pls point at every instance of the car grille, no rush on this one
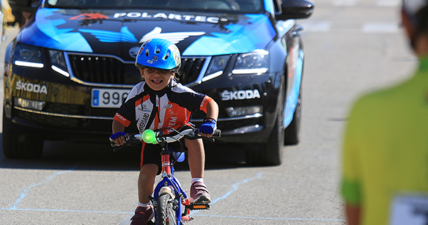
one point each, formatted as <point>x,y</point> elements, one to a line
<point>190,69</point>
<point>110,70</point>
<point>97,69</point>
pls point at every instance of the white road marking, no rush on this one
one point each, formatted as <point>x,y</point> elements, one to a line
<point>344,2</point>
<point>320,26</point>
<point>390,3</point>
<point>380,28</point>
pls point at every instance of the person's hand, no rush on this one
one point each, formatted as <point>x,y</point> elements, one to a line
<point>118,138</point>
<point>208,127</point>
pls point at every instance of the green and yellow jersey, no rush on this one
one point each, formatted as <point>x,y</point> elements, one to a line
<point>385,150</point>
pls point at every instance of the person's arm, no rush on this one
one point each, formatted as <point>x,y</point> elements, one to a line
<point>118,127</point>
<point>212,113</point>
<point>352,182</point>
<point>353,214</point>
<point>212,110</point>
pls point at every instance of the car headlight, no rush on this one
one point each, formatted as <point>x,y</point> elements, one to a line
<point>28,56</point>
<point>217,66</point>
<point>58,62</point>
<point>256,62</point>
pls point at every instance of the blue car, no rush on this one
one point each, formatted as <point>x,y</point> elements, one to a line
<point>72,65</point>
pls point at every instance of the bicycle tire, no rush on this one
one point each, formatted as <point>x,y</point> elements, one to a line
<point>165,214</point>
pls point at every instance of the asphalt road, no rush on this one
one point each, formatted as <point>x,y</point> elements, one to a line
<point>351,47</point>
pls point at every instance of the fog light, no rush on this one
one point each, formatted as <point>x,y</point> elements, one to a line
<point>29,104</point>
<point>242,111</point>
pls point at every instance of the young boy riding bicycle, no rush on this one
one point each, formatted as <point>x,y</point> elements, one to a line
<point>160,102</point>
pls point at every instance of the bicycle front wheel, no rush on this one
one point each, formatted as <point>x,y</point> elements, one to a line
<point>165,213</point>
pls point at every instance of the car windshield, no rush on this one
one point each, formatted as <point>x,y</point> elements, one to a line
<point>198,5</point>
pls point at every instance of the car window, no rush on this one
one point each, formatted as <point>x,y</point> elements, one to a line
<point>200,5</point>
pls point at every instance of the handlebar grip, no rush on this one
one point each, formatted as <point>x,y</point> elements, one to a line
<point>116,147</point>
<point>131,140</point>
<point>217,133</point>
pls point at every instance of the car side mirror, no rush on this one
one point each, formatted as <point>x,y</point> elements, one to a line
<point>295,9</point>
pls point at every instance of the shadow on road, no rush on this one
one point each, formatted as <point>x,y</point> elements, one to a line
<point>90,156</point>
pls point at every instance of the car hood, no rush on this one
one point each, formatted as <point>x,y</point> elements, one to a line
<point>121,32</point>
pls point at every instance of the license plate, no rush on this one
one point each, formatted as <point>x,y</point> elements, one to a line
<point>109,98</point>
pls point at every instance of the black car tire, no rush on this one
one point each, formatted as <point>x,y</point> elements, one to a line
<point>291,134</point>
<point>18,146</point>
<point>270,153</point>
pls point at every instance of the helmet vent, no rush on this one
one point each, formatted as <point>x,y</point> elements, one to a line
<point>157,50</point>
<point>147,52</point>
<point>166,56</point>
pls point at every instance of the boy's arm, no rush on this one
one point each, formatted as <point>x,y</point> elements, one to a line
<point>212,113</point>
<point>212,110</point>
<point>118,127</point>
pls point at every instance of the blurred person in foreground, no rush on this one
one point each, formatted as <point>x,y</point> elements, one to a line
<point>385,149</point>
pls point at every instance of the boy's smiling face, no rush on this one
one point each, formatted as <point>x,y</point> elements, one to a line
<point>156,79</point>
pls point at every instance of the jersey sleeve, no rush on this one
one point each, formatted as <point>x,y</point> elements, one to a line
<point>351,188</point>
<point>189,99</point>
<point>126,113</point>
<point>204,103</point>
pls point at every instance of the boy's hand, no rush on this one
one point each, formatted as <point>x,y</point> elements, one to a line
<point>208,127</point>
<point>118,138</point>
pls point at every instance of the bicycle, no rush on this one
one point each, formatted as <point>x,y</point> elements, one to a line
<point>168,196</point>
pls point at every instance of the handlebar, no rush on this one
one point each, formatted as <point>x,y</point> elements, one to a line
<point>157,137</point>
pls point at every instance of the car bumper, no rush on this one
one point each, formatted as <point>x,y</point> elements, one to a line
<point>68,113</point>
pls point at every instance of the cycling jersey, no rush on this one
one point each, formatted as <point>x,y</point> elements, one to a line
<point>385,150</point>
<point>170,107</point>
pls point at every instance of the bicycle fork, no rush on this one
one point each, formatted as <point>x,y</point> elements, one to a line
<point>169,184</point>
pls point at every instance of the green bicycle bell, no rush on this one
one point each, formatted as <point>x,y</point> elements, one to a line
<point>149,137</point>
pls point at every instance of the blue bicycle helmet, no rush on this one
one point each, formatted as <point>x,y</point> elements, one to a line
<point>158,53</point>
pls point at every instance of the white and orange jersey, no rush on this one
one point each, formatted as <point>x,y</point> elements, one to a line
<point>168,108</point>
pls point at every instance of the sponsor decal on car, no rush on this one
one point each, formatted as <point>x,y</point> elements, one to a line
<point>171,16</point>
<point>36,88</point>
<point>252,34</point>
<point>240,95</point>
<point>126,36</point>
<point>89,16</point>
